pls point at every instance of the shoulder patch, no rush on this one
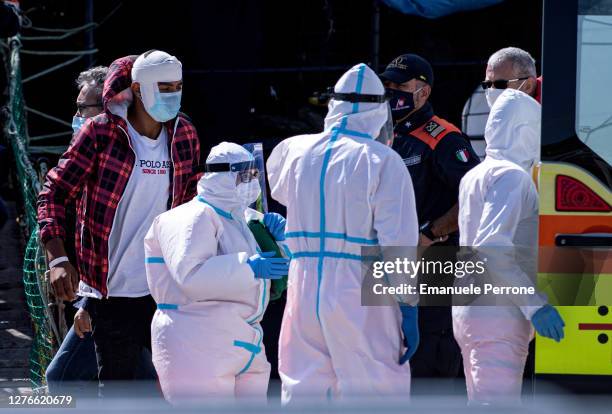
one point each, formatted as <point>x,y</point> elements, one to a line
<point>433,131</point>
<point>433,128</point>
<point>463,155</point>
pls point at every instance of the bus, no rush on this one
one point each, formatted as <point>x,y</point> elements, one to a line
<point>574,181</point>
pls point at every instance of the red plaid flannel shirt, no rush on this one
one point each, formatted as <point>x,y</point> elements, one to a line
<point>99,161</point>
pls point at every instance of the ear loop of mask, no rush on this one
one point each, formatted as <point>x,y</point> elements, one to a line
<point>519,88</point>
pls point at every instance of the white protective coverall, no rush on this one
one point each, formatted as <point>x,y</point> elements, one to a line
<point>498,206</point>
<point>342,190</point>
<point>206,336</point>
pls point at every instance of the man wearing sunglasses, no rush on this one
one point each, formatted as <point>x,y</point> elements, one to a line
<point>89,101</point>
<point>437,156</point>
<point>512,68</point>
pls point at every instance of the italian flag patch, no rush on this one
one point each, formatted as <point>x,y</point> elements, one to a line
<point>463,155</point>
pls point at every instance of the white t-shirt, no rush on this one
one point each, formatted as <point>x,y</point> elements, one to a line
<point>145,197</point>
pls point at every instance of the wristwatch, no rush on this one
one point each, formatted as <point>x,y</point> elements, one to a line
<point>425,229</point>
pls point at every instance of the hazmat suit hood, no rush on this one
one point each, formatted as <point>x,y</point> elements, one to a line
<point>219,188</point>
<point>367,118</point>
<point>513,129</point>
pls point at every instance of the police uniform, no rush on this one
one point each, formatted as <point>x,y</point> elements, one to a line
<point>437,156</point>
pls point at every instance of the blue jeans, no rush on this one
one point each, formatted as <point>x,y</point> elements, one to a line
<point>75,366</point>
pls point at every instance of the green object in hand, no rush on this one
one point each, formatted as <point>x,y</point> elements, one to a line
<point>266,243</point>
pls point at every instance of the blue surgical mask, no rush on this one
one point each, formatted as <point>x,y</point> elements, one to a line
<point>77,123</point>
<point>166,106</point>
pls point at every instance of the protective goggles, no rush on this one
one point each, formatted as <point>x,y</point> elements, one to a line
<point>500,83</point>
<point>356,97</point>
<point>246,170</point>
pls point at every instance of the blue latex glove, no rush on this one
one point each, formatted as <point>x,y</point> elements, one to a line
<point>265,266</point>
<point>410,329</point>
<point>547,322</point>
<point>275,223</point>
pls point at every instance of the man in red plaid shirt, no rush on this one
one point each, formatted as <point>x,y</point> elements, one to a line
<point>132,162</point>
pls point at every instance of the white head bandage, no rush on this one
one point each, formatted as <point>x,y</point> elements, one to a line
<point>151,68</point>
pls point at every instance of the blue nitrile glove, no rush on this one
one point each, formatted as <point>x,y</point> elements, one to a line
<point>410,329</point>
<point>275,223</point>
<point>547,322</point>
<point>266,266</point>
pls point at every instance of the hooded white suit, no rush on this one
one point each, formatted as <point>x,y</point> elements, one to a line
<point>206,337</point>
<point>498,207</point>
<point>342,190</point>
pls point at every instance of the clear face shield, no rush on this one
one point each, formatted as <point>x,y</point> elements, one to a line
<point>245,171</point>
<point>246,174</point>
<point>386,135</point>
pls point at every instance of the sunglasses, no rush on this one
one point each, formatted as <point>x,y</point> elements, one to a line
<point>82,107</point>
<point>500,83</point>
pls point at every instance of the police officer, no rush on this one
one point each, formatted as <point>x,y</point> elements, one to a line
<point>437,156</point>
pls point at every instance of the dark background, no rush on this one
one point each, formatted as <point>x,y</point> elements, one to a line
<point>250,66</point>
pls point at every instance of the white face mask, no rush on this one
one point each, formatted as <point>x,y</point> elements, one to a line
<point>492,94</point>
<point>249,192</point>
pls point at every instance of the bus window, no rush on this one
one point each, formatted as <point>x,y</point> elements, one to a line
<point>594,77</point>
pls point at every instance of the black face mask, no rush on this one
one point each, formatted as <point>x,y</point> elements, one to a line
<point>402,103</point>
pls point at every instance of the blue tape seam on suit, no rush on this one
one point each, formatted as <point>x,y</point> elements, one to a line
<point>329,235</point>
<point>327,156</point>
<point>217,209</point>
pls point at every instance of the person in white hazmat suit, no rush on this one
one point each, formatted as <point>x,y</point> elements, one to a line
<point>211,286</point>
<point>343,189</point>
<point>498,208</point>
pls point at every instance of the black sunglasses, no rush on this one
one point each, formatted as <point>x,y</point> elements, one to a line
<point>81,107</point>
<point>500,83</point>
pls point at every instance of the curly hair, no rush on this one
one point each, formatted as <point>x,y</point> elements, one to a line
<point>94,76</point>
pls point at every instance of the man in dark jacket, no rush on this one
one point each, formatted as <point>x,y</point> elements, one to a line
<point>437,156</point>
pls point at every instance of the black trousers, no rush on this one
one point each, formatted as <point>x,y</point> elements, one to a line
<point>438,354</point>
<point>121,328</point>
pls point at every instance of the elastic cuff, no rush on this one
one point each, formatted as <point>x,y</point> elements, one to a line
<point>529,311</point>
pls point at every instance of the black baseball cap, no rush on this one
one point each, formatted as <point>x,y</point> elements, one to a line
<point>407,67</point>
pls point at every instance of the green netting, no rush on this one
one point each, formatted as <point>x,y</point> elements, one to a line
<point>34,282</point>
<point>34,265</point>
